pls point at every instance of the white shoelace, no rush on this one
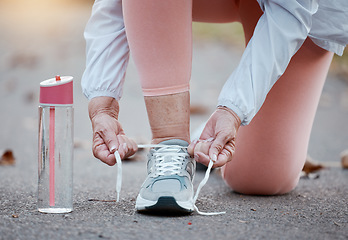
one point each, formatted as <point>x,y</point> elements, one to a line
<point>167,167</point>
<point>119,175</point>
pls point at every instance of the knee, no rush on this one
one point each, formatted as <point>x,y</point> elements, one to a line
<point>261,183</point>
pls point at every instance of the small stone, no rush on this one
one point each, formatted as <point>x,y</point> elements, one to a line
<point>344,159</point>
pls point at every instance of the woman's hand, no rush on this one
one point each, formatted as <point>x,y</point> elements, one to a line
<point>217,141</point>
<point>108,135</point>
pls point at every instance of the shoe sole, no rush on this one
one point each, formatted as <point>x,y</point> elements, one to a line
<point>164,205</point>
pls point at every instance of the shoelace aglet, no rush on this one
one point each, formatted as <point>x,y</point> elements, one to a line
<point>119,175</point>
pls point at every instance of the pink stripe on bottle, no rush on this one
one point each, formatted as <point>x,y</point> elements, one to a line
<point>51,156</point>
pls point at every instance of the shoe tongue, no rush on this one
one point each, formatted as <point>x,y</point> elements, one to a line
<point>175,142</point>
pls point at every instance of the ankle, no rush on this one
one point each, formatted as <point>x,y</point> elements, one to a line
<point>169,130</point>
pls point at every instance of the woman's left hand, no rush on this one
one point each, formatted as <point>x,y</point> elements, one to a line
<point>217,141</point>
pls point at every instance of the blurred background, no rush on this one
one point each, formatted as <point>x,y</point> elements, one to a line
<point>41,39</point>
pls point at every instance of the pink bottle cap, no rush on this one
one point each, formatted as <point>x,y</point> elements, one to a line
<point>57,91</point>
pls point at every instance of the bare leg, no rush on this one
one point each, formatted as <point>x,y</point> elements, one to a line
<point>159,35</point>
<point>271,151</point>
<point>217,11</point>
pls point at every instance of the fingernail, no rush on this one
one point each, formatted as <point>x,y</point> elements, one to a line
<point>113,149</point>
<point>124,145</point>
<point>214,157</point>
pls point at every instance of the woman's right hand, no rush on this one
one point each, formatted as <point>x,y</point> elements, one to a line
<point>108,135</point>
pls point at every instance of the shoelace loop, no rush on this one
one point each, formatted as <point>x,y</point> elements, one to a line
<point>163,168</point>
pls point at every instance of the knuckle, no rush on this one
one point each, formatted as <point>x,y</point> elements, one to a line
<point>227,136</point>
<point>95,148</point>
<point>102,131</point>
<point>227,156</point>
<point>95,153</point>
<point>219,147</point>
<point>99,132</point>
<point>226,153</point>
<point>108,142</point>
<point>229,151</point>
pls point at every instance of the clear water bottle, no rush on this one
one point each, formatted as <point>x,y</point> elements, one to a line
<point>56,126</point>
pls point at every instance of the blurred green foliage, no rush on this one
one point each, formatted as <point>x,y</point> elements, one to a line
<point>340,65</point>
<point>228,33</point>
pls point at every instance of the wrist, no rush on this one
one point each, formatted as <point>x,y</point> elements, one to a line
<point>103,105</point>
<point>234,115</point>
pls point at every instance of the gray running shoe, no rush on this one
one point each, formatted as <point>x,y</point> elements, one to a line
<point>168,186</point>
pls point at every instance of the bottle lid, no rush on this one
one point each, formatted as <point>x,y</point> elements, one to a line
<point>57,91</point>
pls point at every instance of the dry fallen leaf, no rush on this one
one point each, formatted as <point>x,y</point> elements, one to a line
<point>311,166</point>
<point>7,158</point>
<point>344,158</point>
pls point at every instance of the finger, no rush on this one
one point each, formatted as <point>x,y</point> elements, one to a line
<point>107,157</point>
<point>226,154</point>
<point>191,147</point>
<point>224,157</point>
<point>101,151</point>
<point>109,137</point>
<point>132,147</point>
<point>217,146</point>
<point>127,147</point>
<point>122,147</point>
<point>202,147</point>
<point>202,158</point>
